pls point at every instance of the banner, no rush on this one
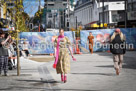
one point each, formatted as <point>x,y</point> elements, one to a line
<point>42,42</point>
<point>102,37</point>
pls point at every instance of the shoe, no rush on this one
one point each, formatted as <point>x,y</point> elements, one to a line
<point>62,78</point>
<point>65,79</point>
<point>5,74</point>
<point>117,71</point>
<point>14,67</point>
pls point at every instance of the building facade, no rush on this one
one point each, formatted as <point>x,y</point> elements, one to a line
<point>90,12</point>
<point>131,13</point>
<point>86,12</point>
<point>55,13</point>
<point>113,13</point>
<point>5,17</point>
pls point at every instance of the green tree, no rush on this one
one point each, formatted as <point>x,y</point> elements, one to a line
<point>37,16</point>
<point>17,14</point>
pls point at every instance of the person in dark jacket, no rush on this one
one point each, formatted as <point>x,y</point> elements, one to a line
<point>118,49</point>
<point>4,53</point>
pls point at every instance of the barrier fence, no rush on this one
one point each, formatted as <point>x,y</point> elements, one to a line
<point>42,42</point>
<point>102,37</point>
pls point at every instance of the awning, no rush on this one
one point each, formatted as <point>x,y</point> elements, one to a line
<point>94,25</point>
<point>101,25</point>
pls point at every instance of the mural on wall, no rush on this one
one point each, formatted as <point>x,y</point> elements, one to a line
<point>42,42</point>
<point>102,38</point>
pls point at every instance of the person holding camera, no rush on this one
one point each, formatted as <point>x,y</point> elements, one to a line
<point>4,53</point>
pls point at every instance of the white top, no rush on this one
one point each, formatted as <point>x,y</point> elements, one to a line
<point>25,46</point>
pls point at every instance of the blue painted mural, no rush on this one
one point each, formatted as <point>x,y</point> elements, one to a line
<point>42,42</point>
<point>102,37</point>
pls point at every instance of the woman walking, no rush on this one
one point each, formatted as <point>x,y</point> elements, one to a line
<point>118,49</point>
<point>62,58</point>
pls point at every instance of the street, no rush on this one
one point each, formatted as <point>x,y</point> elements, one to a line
<point>89,73</point>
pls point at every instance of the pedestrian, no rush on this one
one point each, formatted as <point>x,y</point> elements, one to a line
<point>4,52</point>
<point>118,49</point>
<point>62,58</point>
<point>25,48</point>
<point>11,53</point>
<point>90,40</point>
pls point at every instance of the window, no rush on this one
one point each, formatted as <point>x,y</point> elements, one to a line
<point>134,6</point>
<point>129,7</point>
<point>50,15</point>
<point>50,4</point>
<point>115,18</point>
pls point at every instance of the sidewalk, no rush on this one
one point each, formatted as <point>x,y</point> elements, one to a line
<point>89,73</point>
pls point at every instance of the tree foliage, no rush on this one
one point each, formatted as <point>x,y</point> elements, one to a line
<point>37,16</point>
<point>17,14</point>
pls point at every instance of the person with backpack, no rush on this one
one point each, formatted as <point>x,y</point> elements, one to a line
<point>118,49</point>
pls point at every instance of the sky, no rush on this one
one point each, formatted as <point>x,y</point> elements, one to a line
<point>31,6</point>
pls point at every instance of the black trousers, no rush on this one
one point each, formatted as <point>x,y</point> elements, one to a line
<point>4,64</point>
<point>26,52</point>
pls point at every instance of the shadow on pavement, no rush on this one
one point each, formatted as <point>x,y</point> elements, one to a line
<point>105,74</point>
<point>129,60</point>
<point>14,88</point>
<point>73,90</point>
<point>50,81</point>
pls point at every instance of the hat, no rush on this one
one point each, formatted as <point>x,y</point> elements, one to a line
<point>117,30</point>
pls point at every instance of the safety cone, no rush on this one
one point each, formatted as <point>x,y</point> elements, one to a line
<point>108,51</point>
<point>51,54</point>
<point>77,48</point>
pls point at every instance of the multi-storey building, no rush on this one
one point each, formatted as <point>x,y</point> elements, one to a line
<point>113,12</point>
<point>131,13</point>
<point>55,17</point>
<point>90,12</point>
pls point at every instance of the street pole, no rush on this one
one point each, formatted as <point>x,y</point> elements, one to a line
<point>40,15</point>
<point>125,13</point>
<point>103,13</point>
<point>76,26</point>
<point>68,15</point>
<point>17,42</point>
<point>99,20</point>
<point>54,19</point>
<point>64,18</point>
<point>45,8</point>
<point>18,60</point>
